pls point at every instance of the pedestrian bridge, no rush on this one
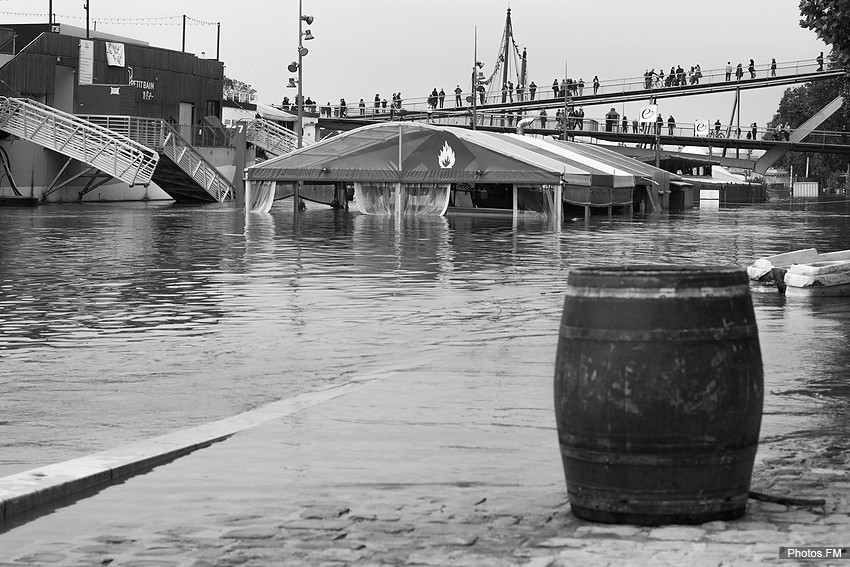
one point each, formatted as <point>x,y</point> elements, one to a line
<point>633,89</point>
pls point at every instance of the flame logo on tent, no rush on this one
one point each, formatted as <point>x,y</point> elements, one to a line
<point>446,157</point>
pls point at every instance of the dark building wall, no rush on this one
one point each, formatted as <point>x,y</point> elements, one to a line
<point>163,78</point>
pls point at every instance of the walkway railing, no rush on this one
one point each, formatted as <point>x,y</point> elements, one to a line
<point>271,137</point>
<point>626,85</point>
<point>111,152</point>
<point>192,162</point>
<point>592,124</point>
<point>161,136</point>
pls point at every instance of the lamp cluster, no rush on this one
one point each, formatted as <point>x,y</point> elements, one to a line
<point>297,66</point>
<point>302,51</point>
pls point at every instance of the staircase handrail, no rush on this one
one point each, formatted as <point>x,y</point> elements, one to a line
<point>80,139</point>
<point>176,147</point>
<point>271,136</point>
<point>161,136</point>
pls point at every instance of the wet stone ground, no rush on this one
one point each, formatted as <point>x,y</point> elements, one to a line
<point>410,526</point>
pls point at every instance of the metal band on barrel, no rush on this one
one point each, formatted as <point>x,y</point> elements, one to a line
<point>657,293</point>
<point>678,459</point>
<point>644,335</point>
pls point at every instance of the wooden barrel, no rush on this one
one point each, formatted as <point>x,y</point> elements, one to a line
<point>658,393</point>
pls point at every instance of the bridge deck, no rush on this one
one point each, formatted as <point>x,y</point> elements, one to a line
<point>501,117</point>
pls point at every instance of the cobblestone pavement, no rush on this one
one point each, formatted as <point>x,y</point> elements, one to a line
<point>383,476</point>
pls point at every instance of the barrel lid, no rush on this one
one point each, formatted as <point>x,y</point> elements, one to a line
<point>657,276</point>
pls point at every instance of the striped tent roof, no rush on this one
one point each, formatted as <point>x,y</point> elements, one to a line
<point>439,154</point>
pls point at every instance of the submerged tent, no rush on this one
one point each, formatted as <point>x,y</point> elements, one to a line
<point>655,180</point>
<point>603,171</point>
<point>397,164</point>
<point>427,153</point>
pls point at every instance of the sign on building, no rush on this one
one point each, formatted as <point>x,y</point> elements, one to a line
<point>85,73</point>
<point>114,54</point>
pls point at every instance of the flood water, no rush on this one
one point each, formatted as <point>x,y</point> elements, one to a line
<point>120,322</point>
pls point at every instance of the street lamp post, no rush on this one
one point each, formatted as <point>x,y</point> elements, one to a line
<point>303,35</point>
<point>302,51</point>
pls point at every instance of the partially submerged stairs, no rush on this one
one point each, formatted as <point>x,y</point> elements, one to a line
<point>185,174</point>
<point>108,151</point>
<point>271,137</point>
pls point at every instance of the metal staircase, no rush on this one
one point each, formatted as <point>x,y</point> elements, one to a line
<point>162,137</point>
<point>273,138</point>
<point>106,150</point>
<point>184,155</point>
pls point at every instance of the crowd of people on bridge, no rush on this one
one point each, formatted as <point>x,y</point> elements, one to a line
<point>566,88</point>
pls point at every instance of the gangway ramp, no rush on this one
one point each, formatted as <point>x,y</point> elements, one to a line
<point>186,174</point>
<point>193,163</point>
<point>110,152</point>
<point>271,137</point>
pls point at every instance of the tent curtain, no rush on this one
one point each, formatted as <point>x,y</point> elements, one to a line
<point>261,197</point>
<point>418,199</point>
<point>537,199</point>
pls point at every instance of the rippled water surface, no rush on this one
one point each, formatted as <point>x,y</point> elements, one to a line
<point>124,321</point>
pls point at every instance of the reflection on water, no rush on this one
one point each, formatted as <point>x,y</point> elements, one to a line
<point>124,321</point>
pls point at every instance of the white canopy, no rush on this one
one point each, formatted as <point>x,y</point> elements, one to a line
<point>273,113</point>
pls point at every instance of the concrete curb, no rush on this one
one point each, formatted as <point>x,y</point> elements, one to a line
<point>27,491</point>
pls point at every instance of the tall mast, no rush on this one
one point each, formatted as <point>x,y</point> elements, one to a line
<point>505,51</point>
<point>523,73</point>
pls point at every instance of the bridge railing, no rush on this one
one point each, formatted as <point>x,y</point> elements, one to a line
<point>631,126</point>
<point>714,76</point>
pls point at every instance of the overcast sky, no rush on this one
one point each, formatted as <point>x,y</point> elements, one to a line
<point>364,47</point>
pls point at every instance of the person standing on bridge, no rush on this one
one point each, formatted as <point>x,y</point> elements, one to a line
<point>532,88</point>
<point>625,125</point>
<point>728,71</point>
<point>555,88</point>
<point>752,69</point>
<point>773,67</point>
<point>671,123</point>
<point>377,102</point>
<point>739,72</point>
<point>543,118</point>
<point>819,59</point>
<point>458,92</point>
<point>595,84</point>
<point>581,87</point>
<point>754,128</point>
<point>442,95</point>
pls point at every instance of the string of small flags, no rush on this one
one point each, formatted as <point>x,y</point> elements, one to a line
<point>158,21</point>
